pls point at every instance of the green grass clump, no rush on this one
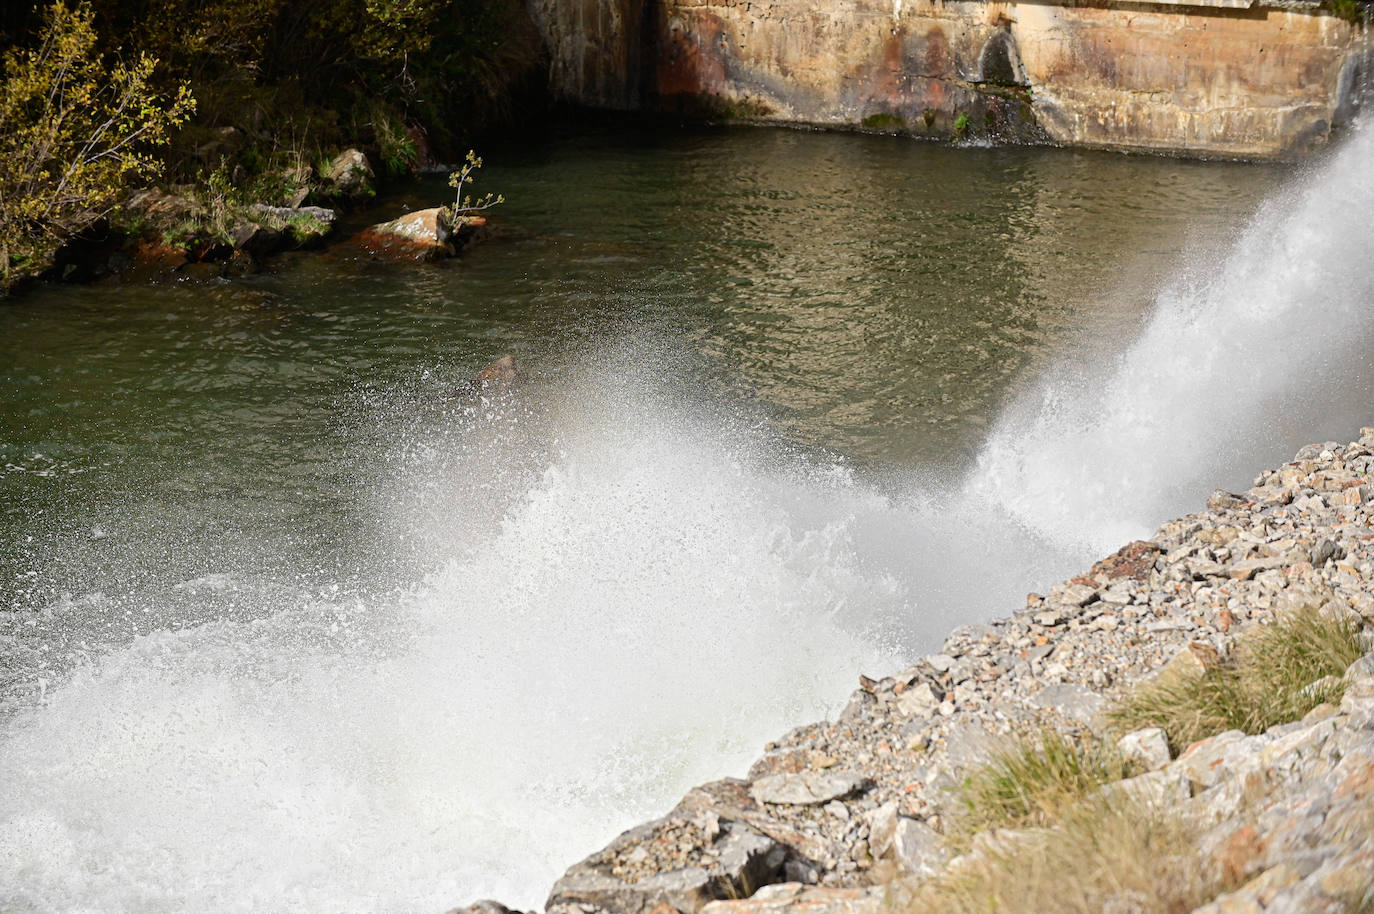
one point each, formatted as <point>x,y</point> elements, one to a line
<point>304,228</point>
<point>1278,675</point>
<point>1037,780</point>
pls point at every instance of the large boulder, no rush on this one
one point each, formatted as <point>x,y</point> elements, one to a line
<point>422,235</point>
<point>350,174</point>
<point>302,226</point>
<point>158,211</point>
<point>678,862</point>
<point>426,234</point>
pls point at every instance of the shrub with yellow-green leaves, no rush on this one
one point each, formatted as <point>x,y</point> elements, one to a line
<point>75,131</point>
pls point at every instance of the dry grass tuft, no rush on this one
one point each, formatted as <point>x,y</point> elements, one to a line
<point>1040,833</point>
<point>1279,674</point>
<point>1101,856</point>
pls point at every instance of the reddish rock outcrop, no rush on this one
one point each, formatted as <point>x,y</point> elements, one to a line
<point>425,234</point>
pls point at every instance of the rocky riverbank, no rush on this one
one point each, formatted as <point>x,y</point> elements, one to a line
<point>186,233</point>
<point>848,815</point>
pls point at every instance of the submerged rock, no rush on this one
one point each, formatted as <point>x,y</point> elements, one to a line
<point>499,378</point>
<point>502,371</point>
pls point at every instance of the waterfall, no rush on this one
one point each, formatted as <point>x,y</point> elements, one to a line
<point>1244,359</point>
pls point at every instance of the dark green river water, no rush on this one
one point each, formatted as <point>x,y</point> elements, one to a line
<point>875,298</point>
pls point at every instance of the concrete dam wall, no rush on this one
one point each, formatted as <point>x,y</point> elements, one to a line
<point>1233,78</point>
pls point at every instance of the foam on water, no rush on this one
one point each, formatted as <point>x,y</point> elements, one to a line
<point>628,592</point>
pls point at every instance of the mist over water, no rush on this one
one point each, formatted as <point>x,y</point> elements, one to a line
<point>1247,356</point>
<point>652,599</point>
<point>560,608</point>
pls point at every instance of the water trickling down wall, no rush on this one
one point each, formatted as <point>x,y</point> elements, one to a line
<point>1243,78</point>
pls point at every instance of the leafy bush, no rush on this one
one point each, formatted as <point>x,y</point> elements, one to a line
<point>467,206</point>
<point>1352,11</point>
<point>356,72</point>
<point>75,131</point>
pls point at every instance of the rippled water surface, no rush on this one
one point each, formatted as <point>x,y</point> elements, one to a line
<point>286,613</point>
<point>873,298</point>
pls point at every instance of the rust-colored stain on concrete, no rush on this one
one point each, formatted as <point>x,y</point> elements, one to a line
<point>1255,83</point>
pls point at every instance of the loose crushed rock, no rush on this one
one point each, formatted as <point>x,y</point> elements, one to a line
<point>835,813</point>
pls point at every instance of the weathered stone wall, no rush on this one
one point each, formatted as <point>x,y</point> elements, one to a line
<point>596,49</point>
<point>1227,79</point>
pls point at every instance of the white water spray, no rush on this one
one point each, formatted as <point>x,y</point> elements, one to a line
<point>1243,361</point>
<point>635,620</point>
<point>627,598</point>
